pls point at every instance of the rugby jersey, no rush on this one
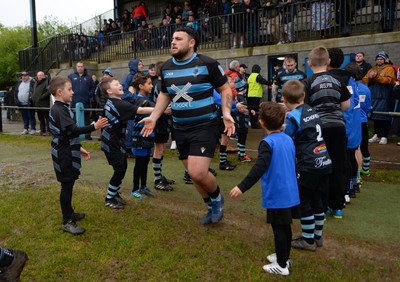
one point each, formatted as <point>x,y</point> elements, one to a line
<point>190,85</point>
<point>324,93</point>
<point>304,126</point>
<point>118,112</point>
<point>65,145</point>
<point>284,76</point>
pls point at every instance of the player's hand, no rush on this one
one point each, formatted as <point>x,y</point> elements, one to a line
<point>101,122</point>
<point>149,125</point>
<point>253,112</point>
<point>229,125</point>
<point>235,192</point>
<point>85,154</point>
<point>242,108</point>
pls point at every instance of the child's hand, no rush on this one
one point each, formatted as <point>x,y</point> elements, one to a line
<point>168,110</point>
<point>85,154</point>
<point>101,123</point>
<point>253,112</point>
<point>235,192</point>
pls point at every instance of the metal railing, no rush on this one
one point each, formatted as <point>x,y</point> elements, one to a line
<point>302,21</point>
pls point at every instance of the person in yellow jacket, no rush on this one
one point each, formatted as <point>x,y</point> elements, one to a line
<point>255,93</point>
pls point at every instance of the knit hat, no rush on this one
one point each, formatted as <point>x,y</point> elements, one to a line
<point>381,54</point>
<point>108,71</point>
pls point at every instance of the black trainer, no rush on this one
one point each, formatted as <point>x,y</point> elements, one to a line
<point>226,166</point>
<point>167,181</point>
<point>119,199</point>
<point>114,204</point>
<point>187,178</point>
<point>73,228</point>
<point>162,186</point>
<point>12,272</point>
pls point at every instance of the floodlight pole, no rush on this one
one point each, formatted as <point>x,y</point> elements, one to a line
<point>33,24</point>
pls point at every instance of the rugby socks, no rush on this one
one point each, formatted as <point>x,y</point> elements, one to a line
<point>6,257</point>
<point>365,165</point>
<point>223,157</point>
<point>157,163</point>
<point>319,225</point>
<point>207,201</point>
<point>216,195</point>
<point>308,228</point>
<point>241,149</point>
<point>112,191</point>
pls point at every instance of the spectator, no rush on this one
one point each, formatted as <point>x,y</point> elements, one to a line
<point>83,87</point>
<point>273,28</point>
<point>140,14</point>
<point>237,25</point>
<point>100,39</point>
<point>243,72</point>
<point>176,12</point>
<point>185,10</point>
<point>388,10</point>
<point>287,15</point>
<point>41,98</point>
<point>343,13</point>
<point>226,6</point>
<point>360,61</point>
<point>193,24</point>
<point>255,93</point>
<point>321,17</point>
<point>380,80</point>
<point>23,98</point>
<point>251,8</point>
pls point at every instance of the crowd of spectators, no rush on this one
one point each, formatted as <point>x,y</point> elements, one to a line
<point>249,22</point>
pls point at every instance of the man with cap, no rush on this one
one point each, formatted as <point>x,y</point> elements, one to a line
<point>243,72</point>
<point>380,80</point>
<point>23,97</point>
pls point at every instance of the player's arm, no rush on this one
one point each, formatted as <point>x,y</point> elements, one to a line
<point>274,92</point>
<point>163,101</point>
<point>226,102</point>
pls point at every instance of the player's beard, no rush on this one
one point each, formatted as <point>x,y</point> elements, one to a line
<point>180,54</point>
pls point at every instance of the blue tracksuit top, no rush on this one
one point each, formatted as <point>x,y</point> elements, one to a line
<point>352,117</point>
<point>279,182</point>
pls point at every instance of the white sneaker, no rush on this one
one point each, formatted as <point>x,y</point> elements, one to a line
<point>173,145</point>
<point>374,139</point>
<point>24,132</point>
<point>276,269</point>
<point>347,199</point>
<point>272,258</point>
<point>383,141</point>
<point>32,132</point>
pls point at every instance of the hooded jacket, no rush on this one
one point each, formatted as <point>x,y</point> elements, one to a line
<point>128,80</point>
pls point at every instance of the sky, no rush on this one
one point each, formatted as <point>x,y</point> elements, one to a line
<point>17,12</point>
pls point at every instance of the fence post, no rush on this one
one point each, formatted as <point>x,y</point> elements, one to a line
<point>80,117</point>
<point>1,118</point>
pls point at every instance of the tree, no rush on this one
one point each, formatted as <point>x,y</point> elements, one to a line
<point>15,39</point>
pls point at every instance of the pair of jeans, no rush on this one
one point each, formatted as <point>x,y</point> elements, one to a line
<point>28,116</point>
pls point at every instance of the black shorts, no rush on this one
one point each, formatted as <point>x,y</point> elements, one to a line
<point>161,132</point>
<point>283,216</point>
<point>197,141</point>
<point>116,158</point>
<point>313,181</point>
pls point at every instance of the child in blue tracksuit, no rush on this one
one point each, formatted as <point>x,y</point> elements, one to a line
<point>364,95</point>
<point>352,117</point>
<point>141,145</point>
<point>276,166</point>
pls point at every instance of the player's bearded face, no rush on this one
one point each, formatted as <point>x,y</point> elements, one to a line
<point>180,50</point>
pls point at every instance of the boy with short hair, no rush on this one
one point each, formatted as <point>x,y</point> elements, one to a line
<point>118,112</point>
<point>313,164</point>
<point>328,96</point>
<point>66,148</point>
<point>275,166</point>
